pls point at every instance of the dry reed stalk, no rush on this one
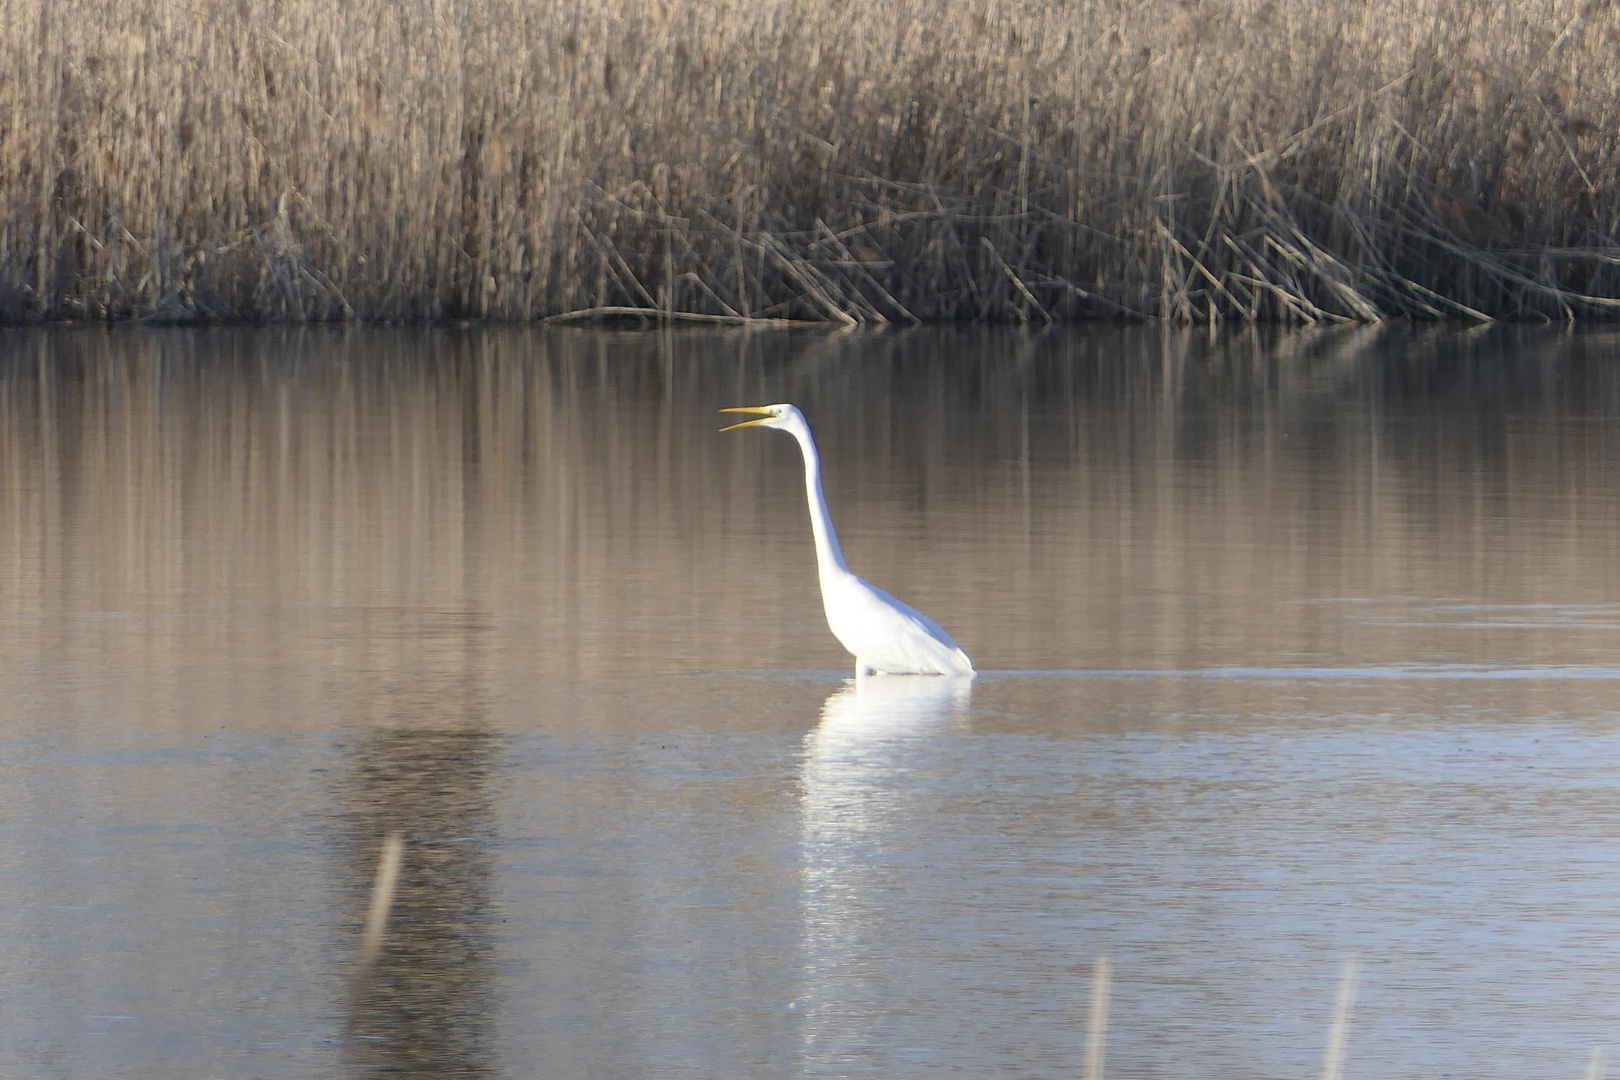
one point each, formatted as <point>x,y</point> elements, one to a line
<point>371,938</point>
<point>1097,1032</point>
<point>1339,1033</point>
<point>1194,160</point>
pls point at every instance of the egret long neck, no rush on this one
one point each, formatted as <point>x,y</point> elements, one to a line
<point>828,555</point>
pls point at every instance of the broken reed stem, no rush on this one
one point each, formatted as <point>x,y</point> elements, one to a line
<point>1339,1031</point>
<point>382,900</point>
<point>1097,1033</point>
<point>659,315</point>
<point>1598,1066</point>
<point>809,160</point>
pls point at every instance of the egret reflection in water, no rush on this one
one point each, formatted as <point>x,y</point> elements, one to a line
<point>874,713</point>
<point>861,800</point>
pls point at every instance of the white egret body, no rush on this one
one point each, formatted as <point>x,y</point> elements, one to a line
<point>885,636</point>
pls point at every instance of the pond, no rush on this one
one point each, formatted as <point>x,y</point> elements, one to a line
<point>1291,648</point>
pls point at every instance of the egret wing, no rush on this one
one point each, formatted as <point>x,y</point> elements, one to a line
<point>889,635</point>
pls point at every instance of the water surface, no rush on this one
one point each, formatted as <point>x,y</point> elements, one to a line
<point>1291,646</point>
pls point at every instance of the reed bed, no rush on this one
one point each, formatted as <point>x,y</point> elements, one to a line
<point>819,160</point>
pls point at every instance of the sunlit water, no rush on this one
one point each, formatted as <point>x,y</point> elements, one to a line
<point>1289,648</point>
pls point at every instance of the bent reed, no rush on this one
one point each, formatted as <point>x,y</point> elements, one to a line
<point>820,160</point>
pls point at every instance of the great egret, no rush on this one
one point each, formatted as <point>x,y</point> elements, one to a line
<point>885,636</point>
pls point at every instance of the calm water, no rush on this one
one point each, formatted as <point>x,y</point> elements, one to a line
<point>1290,648</point>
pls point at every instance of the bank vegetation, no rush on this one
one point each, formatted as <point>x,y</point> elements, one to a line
<point>818,160</point>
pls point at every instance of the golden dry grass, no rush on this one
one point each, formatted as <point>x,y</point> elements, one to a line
<point>810,159</point>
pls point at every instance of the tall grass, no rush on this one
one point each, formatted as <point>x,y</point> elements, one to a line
<point>809,159</point>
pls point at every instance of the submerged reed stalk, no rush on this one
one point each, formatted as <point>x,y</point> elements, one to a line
<point>857,164</point>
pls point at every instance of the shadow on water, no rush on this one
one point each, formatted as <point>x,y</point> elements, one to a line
<point>428,1006</point>
<point>423,766</point>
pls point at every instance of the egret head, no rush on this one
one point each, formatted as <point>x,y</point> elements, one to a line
<point>771,416</point>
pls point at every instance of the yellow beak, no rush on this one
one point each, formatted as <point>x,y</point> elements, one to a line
<point>766,415</point>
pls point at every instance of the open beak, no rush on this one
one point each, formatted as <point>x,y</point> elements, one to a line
<point>765,414</point>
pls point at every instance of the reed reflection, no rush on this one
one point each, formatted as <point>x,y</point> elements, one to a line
<point>1114,499</point>
<point>860,796</point>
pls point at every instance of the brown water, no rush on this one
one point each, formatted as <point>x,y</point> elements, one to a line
<point>1289,647</point>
